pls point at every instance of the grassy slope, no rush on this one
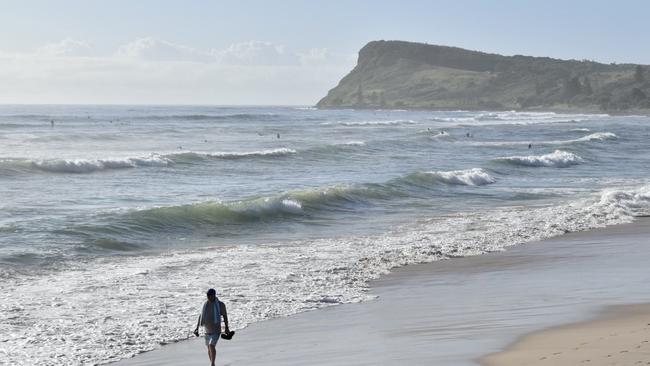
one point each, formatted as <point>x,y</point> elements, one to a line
<point>413,75</point>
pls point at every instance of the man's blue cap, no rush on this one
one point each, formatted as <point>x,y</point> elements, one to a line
<point>212,292</point>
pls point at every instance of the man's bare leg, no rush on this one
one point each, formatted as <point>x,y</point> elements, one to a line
<point>212,352</point>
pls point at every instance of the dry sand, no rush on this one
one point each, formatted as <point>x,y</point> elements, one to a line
<point>620,336</point>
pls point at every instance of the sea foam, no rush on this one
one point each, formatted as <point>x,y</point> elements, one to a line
<point>557,159</point>
<point>160,294</point>
<point>228,155</point>
<point>593,137</point>
<point>468,177</point>
<point>372,123</point>
<point>92,165</point>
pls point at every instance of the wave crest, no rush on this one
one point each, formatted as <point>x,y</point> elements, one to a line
<point>598,136</point>
<point>194,156</point>
<point>80,166</point>
<point>372,123</point>
<point>556,159</point>
<point>469,177</point>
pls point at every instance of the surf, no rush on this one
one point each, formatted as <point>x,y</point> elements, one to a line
<point>556,159</point>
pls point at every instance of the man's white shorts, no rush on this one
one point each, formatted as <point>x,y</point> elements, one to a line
<point>211,339</point>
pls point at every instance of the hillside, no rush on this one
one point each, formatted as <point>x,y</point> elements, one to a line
<point>397,74</point>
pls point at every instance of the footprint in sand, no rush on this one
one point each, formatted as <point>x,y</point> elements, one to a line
<point>624,351</point>
<point>542,358</point>
<point>583,361</point>
<point>557,353</point>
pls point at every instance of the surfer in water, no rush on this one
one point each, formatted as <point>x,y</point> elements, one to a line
<point>210,318</point>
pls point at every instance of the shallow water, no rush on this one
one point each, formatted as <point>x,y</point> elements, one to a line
<point>120,217</point>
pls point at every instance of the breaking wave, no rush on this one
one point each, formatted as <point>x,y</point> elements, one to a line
<point>557,159</point>
<point>598,136</point>
<point>517,118</point>
<point>80,166</point>
<point>194,156</point>
<point>213,117</point>
<point>594,137</point>
<point>291,205</point>
<point>316,273</point>
<point>469,177</point>
<point>372,123</point>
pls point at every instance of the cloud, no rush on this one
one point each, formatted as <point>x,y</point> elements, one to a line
<point>66,48</point>
<point>152,71</point>
<point>256,53</point>
<point>152,49</point>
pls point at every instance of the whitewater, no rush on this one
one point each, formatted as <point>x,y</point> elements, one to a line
<point>117,218</point>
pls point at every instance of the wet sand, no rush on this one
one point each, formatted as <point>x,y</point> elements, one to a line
<point>451,312</point>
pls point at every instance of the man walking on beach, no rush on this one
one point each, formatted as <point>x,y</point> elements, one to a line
<point>210,319</point>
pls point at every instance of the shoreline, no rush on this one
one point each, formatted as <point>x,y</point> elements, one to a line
<point>619,334</point>
<point>558,110</point>
<point>452,312</point>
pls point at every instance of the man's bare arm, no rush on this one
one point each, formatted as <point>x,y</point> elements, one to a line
<point>224,314</point>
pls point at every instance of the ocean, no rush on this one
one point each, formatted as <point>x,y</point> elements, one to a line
<point>115,220</point>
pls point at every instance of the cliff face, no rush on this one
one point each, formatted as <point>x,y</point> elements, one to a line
<point>397,74</point>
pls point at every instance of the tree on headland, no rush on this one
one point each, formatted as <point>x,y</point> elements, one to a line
<point>359,95</point>
<point>639,77</point>
<point>373,97</point>
<point>539,88</point>
<point>638,95</point>
<point>572,87</point>
<point>586,86</point>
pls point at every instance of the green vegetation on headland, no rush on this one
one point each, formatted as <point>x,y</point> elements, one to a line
<point>397,74</point>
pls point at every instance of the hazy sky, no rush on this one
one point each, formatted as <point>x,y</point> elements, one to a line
<point>275,52</point>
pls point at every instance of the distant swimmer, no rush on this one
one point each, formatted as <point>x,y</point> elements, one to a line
<point>180,148</point>
<point>468,135</point>
<point>52,123</point>
<point>278,135</point>
<point>205,140</point>
<point>530,146</point>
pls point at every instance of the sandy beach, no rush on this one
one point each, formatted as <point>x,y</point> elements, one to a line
<point>619,336</point>
<point>454,312</point>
